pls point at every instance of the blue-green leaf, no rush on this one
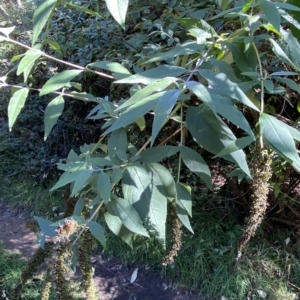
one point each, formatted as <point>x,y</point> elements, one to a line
<point>104,186</point>
<point>184,196</point>
<point>157,154</point>
<point>135,111</point>
<point>196,164</point>
<point>222,85</point>
<point>202,93</point>
<point>271,13</point>
<point>16,103</point>
<point>116,226</point>
<point>97,232</point>
<point>183,215</point>
<point>128,215</point>
<point>52,112</point>
<point>280,139</point>
<point>80,181</point>
<point>45,227</point>
<point>58,81</point>
<point>153,74</point>
<point>162,109</point>
<point>41,16</point>
<point>212,134</point>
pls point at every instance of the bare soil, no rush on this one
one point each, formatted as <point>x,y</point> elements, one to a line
<point>112,277</point>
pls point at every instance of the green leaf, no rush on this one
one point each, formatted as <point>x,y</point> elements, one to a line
<point>157,86</point>
<point>45,227</point>
<point>183,216</point>
<point>186,48</point>
<point>82,8</point>
<point>118,9</point>
<point>235,146</point>
<point>167,186</point>
<point>184,196</point>
<point>104,186</point>
<point>116,176</point>
<point>281,54</point>
<point>222,85</point>
<point>79,206</point>
<point>80,181</point>
<point>153,74</point>
<point>117,142</point>
<point>144,189</point>
<point>162,109</point>
<point>291,48</point>
<point>280,139</point>
<point>41,16</point>
<point>97,232</point>
<point>52,112</point>
<point>271,13</point>
<point>196,164</point>
<point>27,62</point>
<point>15,105</point>
<point>58,81</point>
<point>156,154</point>
<point>128,215</point>
<point>135,111</point>
<point>212,134</point>
<point>110,66</point>
<point>116,226</point>
<point>225,108</point>
<point>65,179</point>
<point>202,93</point>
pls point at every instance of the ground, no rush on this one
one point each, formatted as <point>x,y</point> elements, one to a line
<point>112,278</point>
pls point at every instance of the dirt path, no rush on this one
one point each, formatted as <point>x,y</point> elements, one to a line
<point>112,278</point>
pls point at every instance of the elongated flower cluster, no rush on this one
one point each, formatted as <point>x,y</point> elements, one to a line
<point>262,172</point>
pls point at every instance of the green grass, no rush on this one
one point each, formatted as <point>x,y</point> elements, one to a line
<point>207,259</point>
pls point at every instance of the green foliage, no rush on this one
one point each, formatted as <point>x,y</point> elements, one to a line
<point>214,79</point>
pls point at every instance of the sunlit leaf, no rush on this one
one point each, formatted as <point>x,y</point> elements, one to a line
<point>41,16</point>
<point>58,81</point>
<point>52,112</point>
<point>118,9</point>
<point>16,103</point>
